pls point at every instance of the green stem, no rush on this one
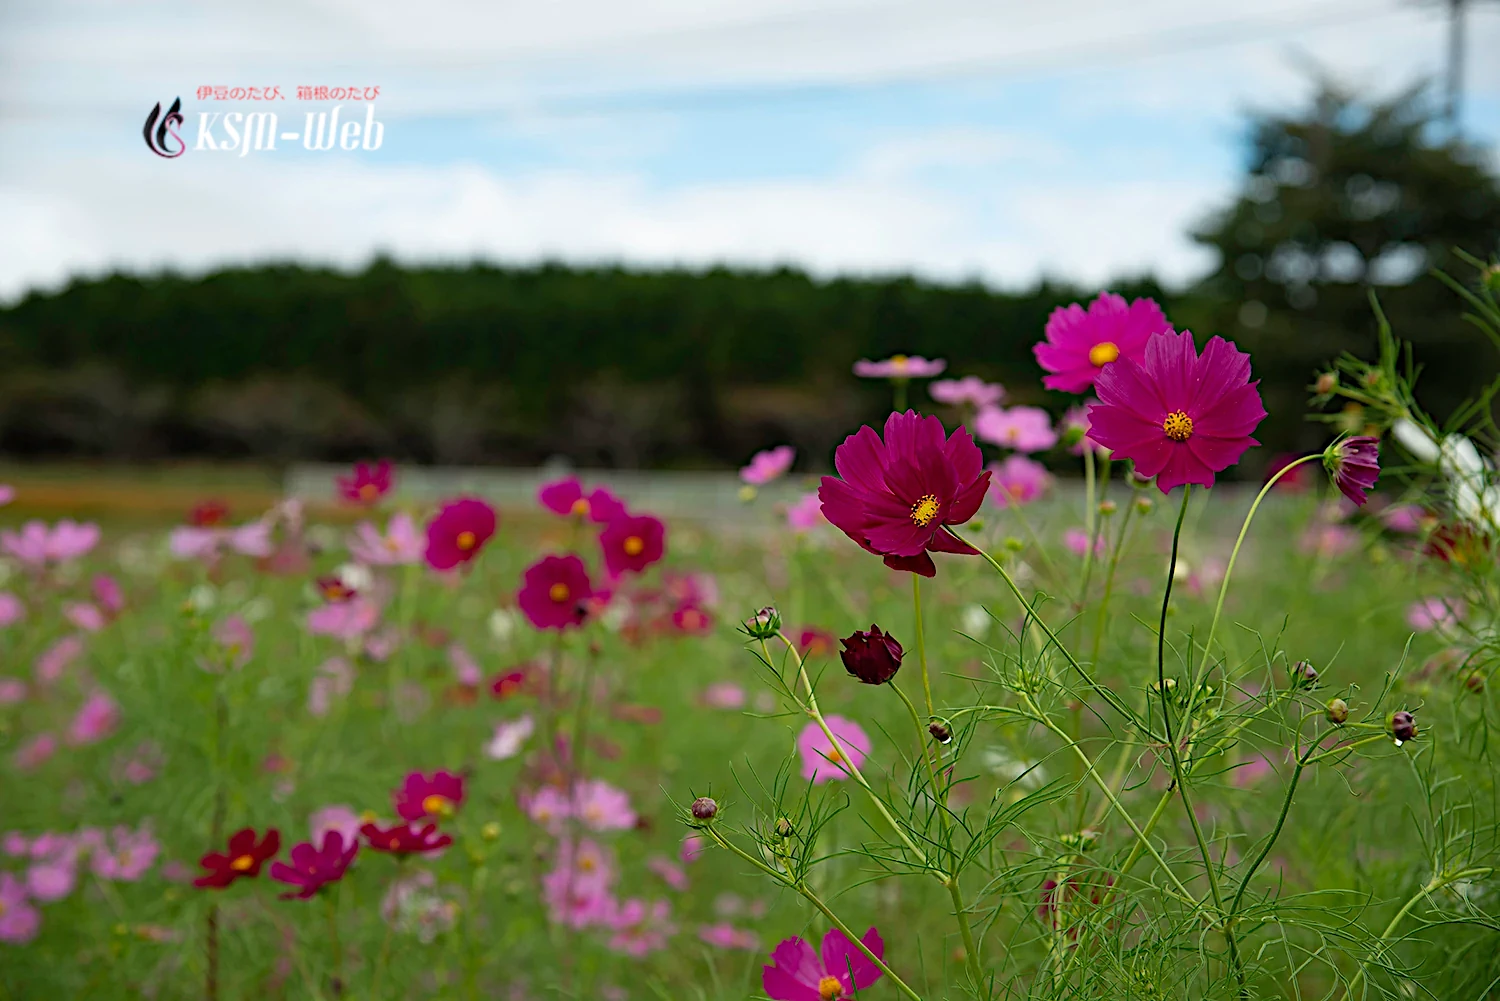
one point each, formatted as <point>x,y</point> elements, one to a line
<point>898,395</point>
<point>1286,807</point>
<point>916,604</point>
<point>333,943</point>
<point>1437,882</point>
<point>1177,776</point>
<point>1109,583</point>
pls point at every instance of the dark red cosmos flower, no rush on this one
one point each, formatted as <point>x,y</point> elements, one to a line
<point>458,532</point>
<point>692,620</point>
<point>208,513</point>
<point>899,493</point>
<point>334,590</point>
<point>633,542</point>
<point>567,497</point>
<point>555,591</point>
<point>815,642</point>
<point>873,657</point>
<point>508,683</point>
<point>314,868</point>
<point>1354,464</point>
<point>405,839</point>
<point>1455,542</point>
<point>367,483</point>
<point>245,857</point>
<point>438,795</point>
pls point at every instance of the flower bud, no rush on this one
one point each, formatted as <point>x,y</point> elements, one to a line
<point>784,828</point>
<point>1304,675</point>
<point>1474,682</point>
<point>873,657</point>
<point>940,732</point>
<point>1014,544</point>
<point>1108,507</point>
<point>1489,278</point>
<point>490,831</point>
<point>764,624</point>
<point>976,524</point>
<point>1403,727</point>
<point>747,494</point>
<point>1143,505</point>
<point>1337,711</point>
<point>1327,383</point>
<point>704,808</point>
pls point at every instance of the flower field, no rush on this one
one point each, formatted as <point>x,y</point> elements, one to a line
<point>949,729</point>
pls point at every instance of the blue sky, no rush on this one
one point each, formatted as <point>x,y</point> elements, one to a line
<point>956,139</point>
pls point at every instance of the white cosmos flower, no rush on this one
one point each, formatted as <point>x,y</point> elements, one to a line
<point>1415,439</point>
<point>509,737</point>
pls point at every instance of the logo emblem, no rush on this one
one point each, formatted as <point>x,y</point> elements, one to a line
<point>159,133</point>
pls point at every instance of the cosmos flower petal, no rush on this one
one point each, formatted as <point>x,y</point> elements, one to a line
<point>920,564</point>
<point>966,504</point>
<point>1235,415</point>
<point>782,986</point>
<point>861,460</point>
<point>1220,369</point>
<point>1183,467</point>
<point>841,957</point>
<point>1218,454</point>
<point>796,958</point>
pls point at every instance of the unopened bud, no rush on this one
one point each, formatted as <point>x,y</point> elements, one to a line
<point>764,624</point>
<point>704,808</point>
<point>1474,682</point>
<point>1108,507</point>
<point>1403,726</point>
<point>1327,383</point>
<point>1489,278</point>
<point>1143,505</point>
<point>1014,544</point>
<point>784,829</point>
<point>747,493</point>
<point>940,732</point>
<point>1304,675</point>
<point>1337,711</point>
<point>976,524</point>
<point>490,831</point>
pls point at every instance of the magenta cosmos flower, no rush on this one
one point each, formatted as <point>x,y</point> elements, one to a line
<point>899,367</point>
<point>568,498</point>
<point>1018,480</point>
<point>770,464</point>
<point>1025,429</point>
<point>458,532</point>
<point>632,543</point>
<point>1179,416</point>
<point>366,483</point>
<point>798,973</point>
<point>821,761</point>
<point>437,795</point>
<point>898,494</point>
<point>1354,464</point>
<point>555,591</point>
<point>314,868</point>
<point>970,391</point>
<point>1080,345</point>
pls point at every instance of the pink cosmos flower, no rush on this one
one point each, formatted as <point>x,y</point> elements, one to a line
<point>1025,429</point>
<point>345,620</point>
<point>970,391</point>
<point>898,494</point>
<point>15,844</point>
<point>19,921</point>
<point>139,765</point>
<point>366,483</point>
<point>12,690</point>
<point>437,795</point>
<point>602,807</point>
<point>54,660</point>
<point>805,513</point>
<point>53,879</point>
<point>34,752</point>
<point>334,679</point>
<point>577,888</point>
<point>1074,429</point>
<point>84,615</point>
<point>820,760</point>
<point>899,367</point>
<point>127,856</point>
<point>549,806</point>
<point>726,936</point>
<point>770,464</point>
<point>401,544</point>
<point>555,592</point>
<point>235,640</point>
<point>641,928</point>
<point>724,695</point>
<point>7,494</point>
<point>1080,344</point>
<point>510,736</point>
<point>1328,540</point>
<point>567,497</point>
<point>798,973</point>
<point>693,847</point>
<point>1440,614</point>
<point>11,609</point>
<point>1405,518</point>
<point>698,589</point>
<point>1179,416</point>
<point>314,868</point>
<point>1077,541</point>
<point>670,872</point>
<point>108,595</point>
<point>95,720</point>
<point>1018,480</point>
<point>36,545</point>
<point>335,817</point>
<point>632,543</point>
<point>458,532</point>
<point>465,668</point>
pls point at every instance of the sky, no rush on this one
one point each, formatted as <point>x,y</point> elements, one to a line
<point>959,140</point>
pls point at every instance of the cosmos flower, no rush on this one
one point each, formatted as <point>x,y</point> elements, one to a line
<point>458,532</point>
<point>798,973</point>
<point>602,807</point>
<point>632,543</point>
<point>549,806</point>
<point>510,736</point>
<point>692,620</point>
<point>1440,614</point>
<point>1018,480</point>
<point>897,494</point>
<point>899,367</point>
<point>1025,429</point>
<point>814,642</point>
<point>401,544</point>
<point>805,513</point>
<point>366,483</point>
<point>871,656</point>
<point>508,683</point>
<point>1077,542</point>
<point>19,921</point>
<point>970,391</point>
<point>641,928</point>
<point>1179,416</point>
<point>95,719</point>
<point>567,497</point>
<point>770,464</point>
<point>437,795</point>
<point>313,868</point>
<point>726,936</point>
<point>1354,464</point>
<point>555,592</point>
<point>820,761</point>
<point>11,609</point>
<point>126,855</point>
<point>334,817</point>
<point>245,857</point>
<point>1079,345</point>
<point>37,544</point>
<point>405,839</point>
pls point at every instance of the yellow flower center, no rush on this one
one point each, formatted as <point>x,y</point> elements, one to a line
<point>465,540</point>
<point>924,510</point>
<point>558,592</point>
<point>580,507</point>
<point>586,863</point>
<point>1178,426</point>
<point>833,756</point>
<point>899,361</point>
<point>1103,353</point>
<point>438,806</point>
<point>243,863</point>
<point>830,988</point>
<point>634,545</point>
<point>369,492</point>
